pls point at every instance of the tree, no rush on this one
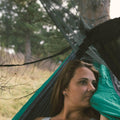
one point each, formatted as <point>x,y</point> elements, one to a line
<point>6,21</point>
<point>29,28</point>
<point>94,11</point>
<point>28,22</point>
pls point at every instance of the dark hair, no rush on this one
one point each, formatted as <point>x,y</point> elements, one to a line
<point>57,98</point>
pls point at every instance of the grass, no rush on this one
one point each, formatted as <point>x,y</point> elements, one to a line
<point>14,84</point>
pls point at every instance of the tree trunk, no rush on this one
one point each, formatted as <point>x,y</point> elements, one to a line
<point>94,11</point>
<point>27,49</point>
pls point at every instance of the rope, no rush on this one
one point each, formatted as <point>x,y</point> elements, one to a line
<point>27,63</point>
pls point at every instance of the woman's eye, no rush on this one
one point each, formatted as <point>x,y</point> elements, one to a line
<point>84,82</point>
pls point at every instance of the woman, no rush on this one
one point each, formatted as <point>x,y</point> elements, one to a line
<point>72,92</point>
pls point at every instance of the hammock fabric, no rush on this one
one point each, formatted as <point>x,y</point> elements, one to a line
<point>69,24</point>
<point>106,96</point>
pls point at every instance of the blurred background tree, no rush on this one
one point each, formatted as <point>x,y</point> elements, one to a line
<point>26,26</point>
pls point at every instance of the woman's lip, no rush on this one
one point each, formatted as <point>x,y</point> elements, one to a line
<point>89,96</point>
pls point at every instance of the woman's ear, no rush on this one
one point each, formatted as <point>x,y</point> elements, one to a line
<point>65,91</point>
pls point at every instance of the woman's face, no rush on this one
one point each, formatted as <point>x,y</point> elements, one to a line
<point>80,88</point>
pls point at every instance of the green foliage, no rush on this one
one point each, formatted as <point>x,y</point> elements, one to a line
<point>22,18</point>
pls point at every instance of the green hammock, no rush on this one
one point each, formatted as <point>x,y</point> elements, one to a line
<point>106,100</point>
<point>38,104</point>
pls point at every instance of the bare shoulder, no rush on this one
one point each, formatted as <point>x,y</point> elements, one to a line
<point>103,118</point>
<point>39,118</point>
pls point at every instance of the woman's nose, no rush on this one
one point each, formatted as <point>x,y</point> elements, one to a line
<point>91,87</point>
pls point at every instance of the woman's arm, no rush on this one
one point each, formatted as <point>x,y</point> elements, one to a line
<point>103,118</point>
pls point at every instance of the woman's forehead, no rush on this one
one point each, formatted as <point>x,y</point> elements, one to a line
<point>83,72</point>
<point>82,69</point>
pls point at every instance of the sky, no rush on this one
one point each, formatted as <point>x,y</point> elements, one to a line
<point>115,8</point>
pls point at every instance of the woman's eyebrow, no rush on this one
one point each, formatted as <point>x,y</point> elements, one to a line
<point>83,78</point>
<point>87,79</point>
